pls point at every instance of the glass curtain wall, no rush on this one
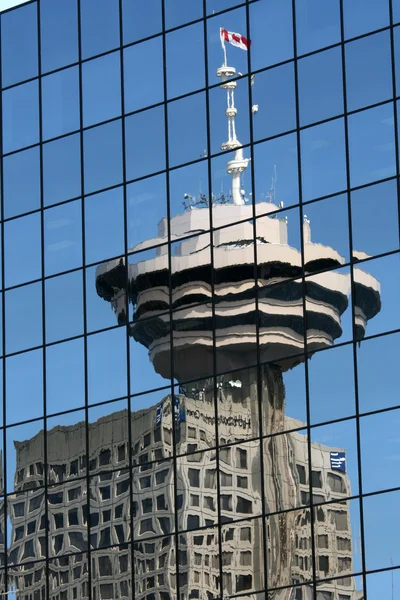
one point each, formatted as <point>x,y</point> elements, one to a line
<point>200,300</point>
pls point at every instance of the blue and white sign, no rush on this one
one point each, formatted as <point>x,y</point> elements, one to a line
<point>338,461</point>
<point>179,410</point>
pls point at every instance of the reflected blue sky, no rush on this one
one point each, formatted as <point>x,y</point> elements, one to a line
<point>374,209</point>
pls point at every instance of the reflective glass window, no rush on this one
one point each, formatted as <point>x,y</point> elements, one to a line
<point>60,103</point>
<point>19,44</point>
<point>20,116</point>
<point>59,33</point>
<point>99,26</point>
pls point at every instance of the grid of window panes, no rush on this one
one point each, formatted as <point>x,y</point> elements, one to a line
<point>199,396</point>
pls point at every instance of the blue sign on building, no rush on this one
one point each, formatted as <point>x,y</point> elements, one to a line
<point>338,461</point>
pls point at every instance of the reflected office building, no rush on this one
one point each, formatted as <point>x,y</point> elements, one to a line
<point>193,495</point>
<point>214,492</point>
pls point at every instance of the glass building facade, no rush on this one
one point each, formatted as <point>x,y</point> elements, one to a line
<point>200,300</point>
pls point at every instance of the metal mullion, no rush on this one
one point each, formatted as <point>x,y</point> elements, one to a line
<point>43,288</point>
<point>304,286</point>
<point>3,338</point>
<point>85,333</point>
<point>212,285</point>
<point>257,307</point>
<point>127,285</point>
<point>353,298</point>
<point>170,298</point>
<point>395,111</point>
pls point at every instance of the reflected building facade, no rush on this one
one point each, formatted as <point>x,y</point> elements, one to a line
<point>153,508</point>
<point>165,434</point>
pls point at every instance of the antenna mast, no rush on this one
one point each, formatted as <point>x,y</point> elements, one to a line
<point>238,164</point>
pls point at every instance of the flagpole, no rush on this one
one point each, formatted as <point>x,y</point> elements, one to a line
<point>223,45</point>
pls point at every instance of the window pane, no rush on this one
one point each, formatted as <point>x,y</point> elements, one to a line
<point>60,103</point>
<point>148,156</point>
<point>139,59</point>
<point>20,116</point>
<point>22,249</point>
<point>320,86</point>
<point>361,16</point>
<point>323,159</point>
<point>21,194</point>
<point>62,169</point>
<point>19,46</point>
<point>318,24</point>
<point>104,225</point>
<point>368,70</point>
<point>63,237</point>
<point>101,89</point>
<point>23,306</point>
<point>99,26</point>
<point>277,46</point>
<point>371,141</point>
<point>140,20</point>
<point>102,156</point>
<point>59,33</point>
<point>185,56</point>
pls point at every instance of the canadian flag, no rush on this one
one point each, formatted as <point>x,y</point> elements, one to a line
<point>235,39</point>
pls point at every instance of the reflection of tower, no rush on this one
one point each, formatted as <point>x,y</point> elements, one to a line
<point>199,318</point>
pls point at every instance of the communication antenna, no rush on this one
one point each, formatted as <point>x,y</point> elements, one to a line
<point>272,190</point>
